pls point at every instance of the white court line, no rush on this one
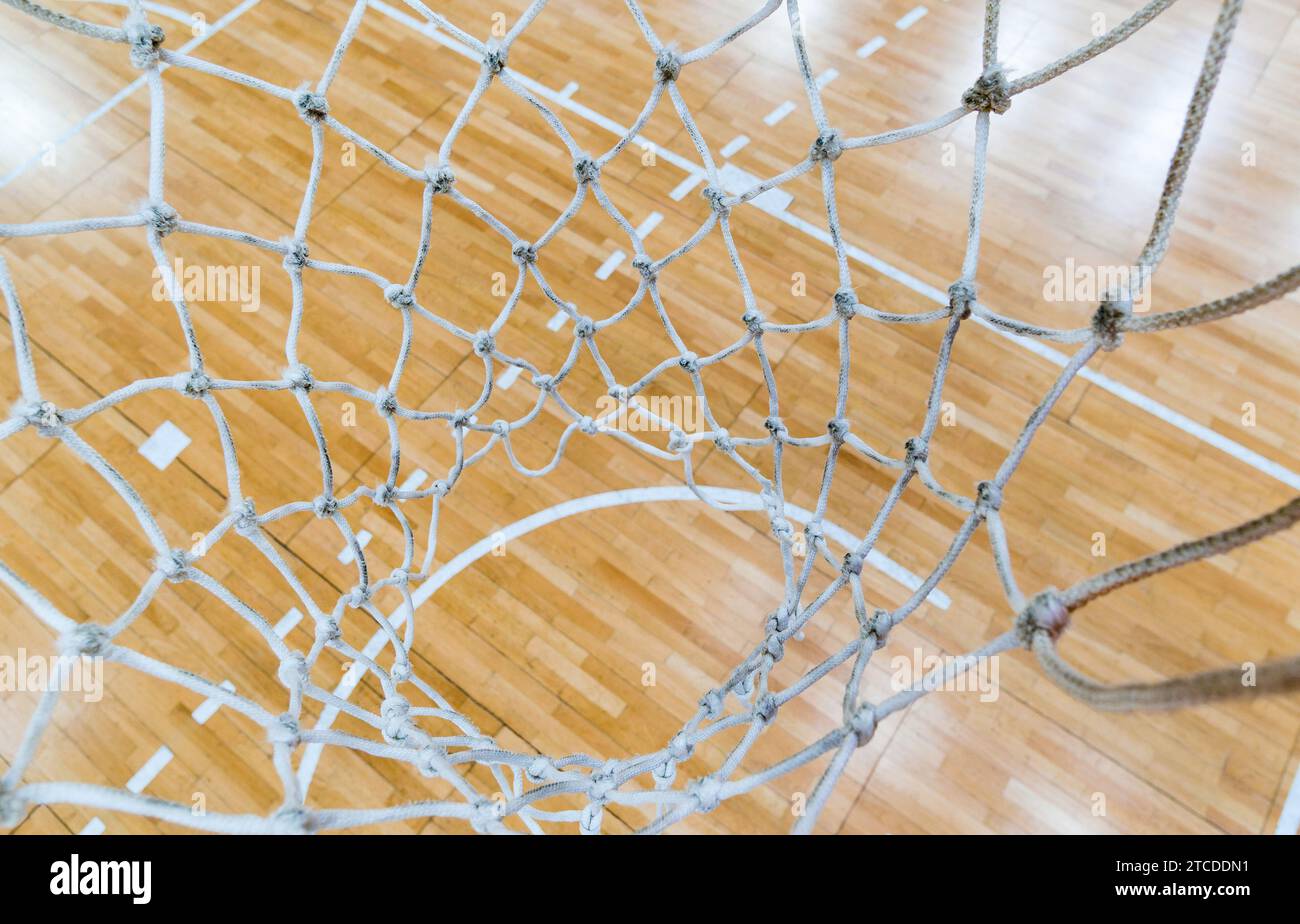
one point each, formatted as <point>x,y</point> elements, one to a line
<point>1289,821</point>
<point>697,175</point>
<point>606,269</point>
<point>152,767</point>
<point>570,88</point>
<point>288,621</point>
<point>93,827</point>
<point>363,539</point>
<point>112,102</point>
<point>826,77</point>
<point>164,445</point>
<point>910,18</point>
<point>557,321</point>
<point>734,145</point>
<point>512,373</point>
<point>779,113</point>
<point>681,189</point>
<point>208,708</point>
<point>873,46</point>
<point>415,479</point>
<point>746,500</point>
<point>649,224</point>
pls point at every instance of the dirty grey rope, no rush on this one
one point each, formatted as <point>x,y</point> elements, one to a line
<point>415,723</point>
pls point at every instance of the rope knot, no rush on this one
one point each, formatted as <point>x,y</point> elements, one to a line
<point>284,730</point>
<point>400,577</point>
<point>1045,613</point>
<point>400,297</point>
<point>717,199</point>
<point>722,440</point>
<point>246,518</point>
<point>440,488</point>
<point>395,711</point>
<point>160,217</point>
<point>312,107</point>
<point>544,382</point>
<point>852,564</point>
<point>712,703</point>
<point>827,146</point>
<point>846,303</point>
<point>863,724</point>
<point>776,427</point>
<point>440,178</point>
<point>588,426</point>
<point>990,93</point>
<point>501,427</point>
<point>878,627</point>
<point>689,362</point>
<point>1108,323</point>
<point>838,428</point>
<point>961,298</point>
<point>293,671</point>
<point>45,417</point>
<point>299,378</point>
<point>296,255</point>
<point>602,782</point>
<point>677,441</point>
<point>538,770</point>
<point>296,820</point>
<point>917,451</point>
<point>145,41</point>
<point>175,566</point>
<point>585,170</point>
<point>494,62</point>
<point>765,709</point>
<point>524,253</point>
<point>680,747</point>
<point>383,494</point>
<point>429,759</point>
<point>668,66</point>
<point>485,814</point>
<point>707,792</point>
<point>328,630</point>
<point>484,344</point>
<point>988,497</point>
<point>87,640</point>
<point>753,322</point>
<point>400,672</point>
<point>646,267</point>
<point>193,384</point>
<point>664,774</point>
<point>782,529</point>
<point>325,507</point>
<point>358,596</point>
<point>385,402</point>
<point>584,328</point>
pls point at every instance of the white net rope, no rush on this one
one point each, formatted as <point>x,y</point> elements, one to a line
<point>436,738</point>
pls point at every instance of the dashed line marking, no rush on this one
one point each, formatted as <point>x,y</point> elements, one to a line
<point>910,18</point>
<point>606,269</point>
<point>510,376</point>
<point>557,321</point>
<point>363,539</point>
<point>873,46</point>
<point>779,113</point>
<point>681,189</point>
<point>208,708</point>
<point>649,224</point>
<point>93,827</point>
<point>287,622</point>
<point>415,479</point>
<point>826,77</point>
<point>152,767</point>
<point>734,145</point>
<point>570,88</point>
<point>164,445</point>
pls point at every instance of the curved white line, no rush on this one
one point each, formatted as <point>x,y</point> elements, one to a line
<point>738,500</point>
